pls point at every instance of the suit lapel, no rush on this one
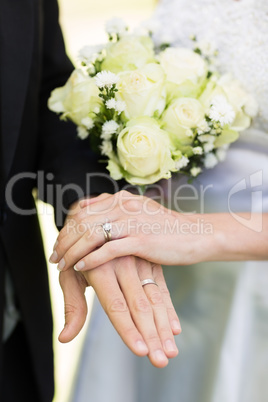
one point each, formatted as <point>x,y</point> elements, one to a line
<point>16,36</point>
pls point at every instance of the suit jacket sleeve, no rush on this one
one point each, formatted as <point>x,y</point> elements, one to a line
<point>71,169</point>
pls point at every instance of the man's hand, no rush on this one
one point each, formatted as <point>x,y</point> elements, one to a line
<point>144,317</point>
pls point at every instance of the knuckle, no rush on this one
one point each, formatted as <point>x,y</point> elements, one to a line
<point>124,193</point>
<point>103,195</point>
<point>71,310</point>
<point>130,332</point>
<point>133,205</point>
<point>153,338</point>
<point>118,305</point>
<point>141,305</point>
<point>156,299</point>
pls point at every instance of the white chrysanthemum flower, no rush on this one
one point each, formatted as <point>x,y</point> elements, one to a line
<point>87,122</point>
<point>221,153</point>
<point>116,26</point>
<point>207,138</point>
<point>89,54</point>
<point>110,103</point>
<point>109,127</point>
<point>181,163</point>
<point>197,150</point>
<point>106,148</point>
<point>221,111</point>
<point>82,132</point>
<point>118,106</point>
<point>195,171</point>
<point>203,127</point>
<point>106,136</point>
<point>208,147</point>
<point>210,161</point>
<point>106,79</point>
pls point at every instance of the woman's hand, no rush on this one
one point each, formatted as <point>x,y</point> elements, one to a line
<point>143,316</point>
<point>142,227</point>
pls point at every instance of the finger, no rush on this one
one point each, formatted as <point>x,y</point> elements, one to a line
<point>88,201</point>
<point>109,251</point>
<point>107,208</point>
<point>73,287</point>
<point>161,317</point>
<point>172,315</point>
<point>92,239</point>
<point>105,284</point>
<point>80,223</point>
<point>125,201</point>
<point>143,315</point>
<point>74,228</point>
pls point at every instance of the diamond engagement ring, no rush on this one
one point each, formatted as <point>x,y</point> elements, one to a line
<point>106,227</point>
<point>148,282</point>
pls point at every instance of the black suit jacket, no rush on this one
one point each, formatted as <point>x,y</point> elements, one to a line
<point>33,139</point>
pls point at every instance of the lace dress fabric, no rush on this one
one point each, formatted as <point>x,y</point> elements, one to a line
<point>238,29</point>
<point>223,306</point>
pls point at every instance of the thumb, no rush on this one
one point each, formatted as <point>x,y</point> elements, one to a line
<point>73,286</point>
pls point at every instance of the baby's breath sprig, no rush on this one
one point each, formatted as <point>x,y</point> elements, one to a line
<point>115,28</point>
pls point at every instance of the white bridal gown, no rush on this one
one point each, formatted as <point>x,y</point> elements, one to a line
<point>223,306</point>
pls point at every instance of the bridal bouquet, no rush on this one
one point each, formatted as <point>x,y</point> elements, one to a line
<point>152,111</point>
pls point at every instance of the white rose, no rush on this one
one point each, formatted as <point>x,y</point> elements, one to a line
<point>244,105</point>
<point>142,91</point>
<point>237,96</point>
<point>76,99</point>
<point>185,71</point>
<point>129,53</point>
<point>144,152</point>
<point>182,115</point>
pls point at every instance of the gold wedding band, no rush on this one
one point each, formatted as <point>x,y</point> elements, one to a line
<point>106,227</point>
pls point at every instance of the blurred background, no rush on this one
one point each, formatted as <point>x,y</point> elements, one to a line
<point>82,23</point>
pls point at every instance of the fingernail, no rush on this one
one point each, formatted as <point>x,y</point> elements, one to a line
<point>80,265</point>
<point>160,356</point>
<point>176,325</point>
<point>170,347</point>
<point>54,256</point>
<point>61,264</point>
<point>141,346</point>
<point>55,245</point>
